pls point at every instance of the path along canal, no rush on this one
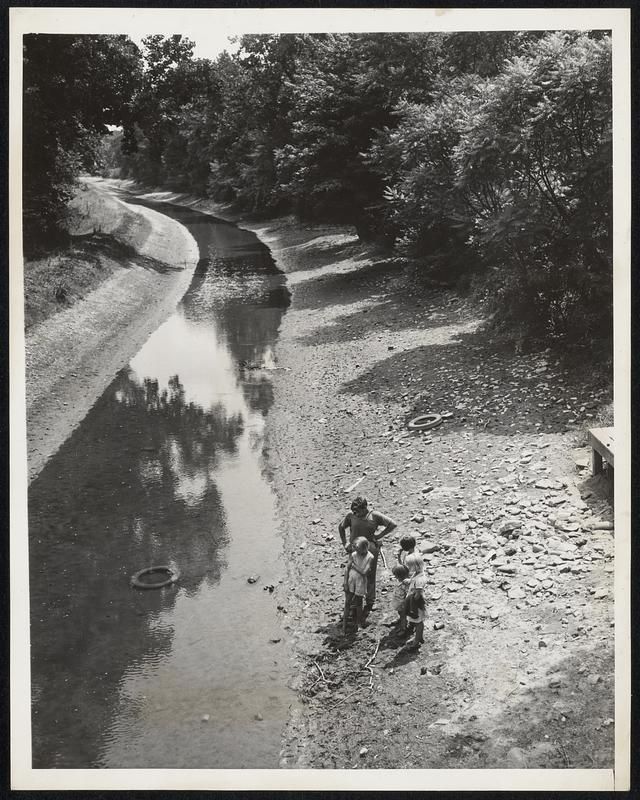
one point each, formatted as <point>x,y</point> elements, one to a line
<point>168,468</point>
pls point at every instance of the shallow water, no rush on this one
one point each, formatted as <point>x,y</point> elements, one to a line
<point>168,468</point>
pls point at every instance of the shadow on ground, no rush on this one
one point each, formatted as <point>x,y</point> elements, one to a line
<point>486,386</point>
<point>563,722</point>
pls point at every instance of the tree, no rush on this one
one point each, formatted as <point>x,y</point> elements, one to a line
<point>73,87</point>
<point>343,92</point>
<point>513,173</point>
<point>254,121</point>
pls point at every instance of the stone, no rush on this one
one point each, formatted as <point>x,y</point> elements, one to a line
<point>509,525</point>
<point>516,593</point>
<point>594,679</point>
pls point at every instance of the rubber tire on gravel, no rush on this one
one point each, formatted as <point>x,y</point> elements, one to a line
<point>172,577</point>
<point>424,422</point>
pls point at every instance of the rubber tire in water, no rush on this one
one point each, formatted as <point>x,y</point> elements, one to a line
<point>172,577</point>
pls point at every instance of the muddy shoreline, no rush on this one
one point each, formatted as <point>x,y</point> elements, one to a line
<point>517,668</point>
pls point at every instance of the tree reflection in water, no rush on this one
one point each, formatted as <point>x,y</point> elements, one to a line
<point>135,485</point>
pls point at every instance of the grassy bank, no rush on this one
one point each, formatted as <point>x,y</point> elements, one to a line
<point>102,237</point>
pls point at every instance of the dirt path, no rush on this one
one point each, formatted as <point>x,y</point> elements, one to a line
<point>72,357</point>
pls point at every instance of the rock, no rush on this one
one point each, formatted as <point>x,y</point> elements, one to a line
<point>258,717</point>
<point>594,679</point>
<point>205,718</point>
<point>600,594</point>
<point>315,521</point>
<point>510,550</point>
<point>508,526</point>
<point>516,758</point>
<point>516,593</point>
<point>430,548</point>
<point>555,683</point>
<point>507,569</point>
<point>542,643</point>
<point>363,751</point>
<point>253,579</point>
<point>438,626</point>
<point>452,587</point>
<point>495,613</point>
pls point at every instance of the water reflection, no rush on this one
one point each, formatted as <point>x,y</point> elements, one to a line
<point>159,472</point>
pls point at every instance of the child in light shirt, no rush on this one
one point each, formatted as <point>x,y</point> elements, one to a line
<point>355,581</point>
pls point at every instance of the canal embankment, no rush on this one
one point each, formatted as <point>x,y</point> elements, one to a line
<point>72,355</point>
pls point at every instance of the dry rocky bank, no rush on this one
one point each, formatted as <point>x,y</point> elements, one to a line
<point>517,667</point>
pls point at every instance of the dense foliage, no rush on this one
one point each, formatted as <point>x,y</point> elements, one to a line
<point>473,153</point>
<point>73,87</point>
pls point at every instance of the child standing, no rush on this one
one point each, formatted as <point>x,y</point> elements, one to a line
<point>355,581</point>
<point>416,598</point>
<point>400,594</point>
<point>407,546</point>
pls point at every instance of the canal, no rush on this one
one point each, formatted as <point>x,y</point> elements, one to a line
<point>169,467</point>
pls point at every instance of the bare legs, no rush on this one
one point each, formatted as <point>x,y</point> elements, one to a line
<point>352,600</point>
<point>418,638</point>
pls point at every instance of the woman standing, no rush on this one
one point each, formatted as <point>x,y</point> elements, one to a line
<point>363,522</point>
